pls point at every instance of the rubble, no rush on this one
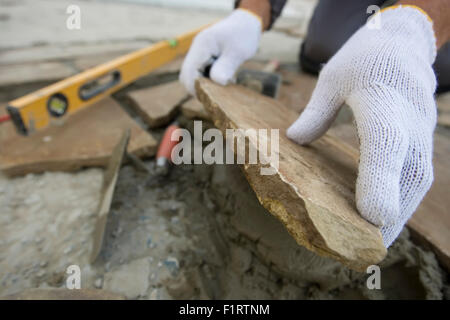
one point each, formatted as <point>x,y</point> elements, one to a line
<point>130,280</point>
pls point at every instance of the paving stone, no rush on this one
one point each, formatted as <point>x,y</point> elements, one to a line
<point>309,189</point>
<point>86,139</point>
<point>157,105</point>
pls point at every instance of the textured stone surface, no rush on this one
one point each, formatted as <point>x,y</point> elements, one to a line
<point>157,105</point>
<point>312,190</point>
<point>87,138</point>
<point>432,219</point>
<point>193,109</point>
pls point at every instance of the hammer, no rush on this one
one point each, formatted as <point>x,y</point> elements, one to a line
<point>264,81</point>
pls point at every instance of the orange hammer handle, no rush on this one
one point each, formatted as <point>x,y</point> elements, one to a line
<point>166,146</point>
<point>4,118</point>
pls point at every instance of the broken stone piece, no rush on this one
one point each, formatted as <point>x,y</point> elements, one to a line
<point>312,189</point>
<point>109,185</point>
<point>85,139</point>
<point>157,105</point>
<point>431,221</point>
<point>193,109</point>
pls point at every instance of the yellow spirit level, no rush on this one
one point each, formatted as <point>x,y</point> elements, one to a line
<point>37,110</point>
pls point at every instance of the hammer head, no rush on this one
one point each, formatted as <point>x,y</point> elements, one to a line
<point>266,83</point>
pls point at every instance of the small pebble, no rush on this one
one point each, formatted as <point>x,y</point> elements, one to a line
<point>172,264</point>
<point>98,283</point>
<point>41,273</point>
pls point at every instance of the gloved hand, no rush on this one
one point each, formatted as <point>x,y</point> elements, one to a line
<point>233,40</point>
<point>386,77</point>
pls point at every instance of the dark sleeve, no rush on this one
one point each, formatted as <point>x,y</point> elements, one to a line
<point>276,8</point>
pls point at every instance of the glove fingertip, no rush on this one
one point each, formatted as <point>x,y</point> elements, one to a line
<point>300,133</point>
<point>219,76</point>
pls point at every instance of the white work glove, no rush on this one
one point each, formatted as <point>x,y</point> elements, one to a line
<point>233,40</point>
<point>386,77</point>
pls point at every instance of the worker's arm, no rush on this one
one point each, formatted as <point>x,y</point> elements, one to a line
<point>385,75</point>
<point>231,41</point>
<point>261,8</point>
<point>268,10</point>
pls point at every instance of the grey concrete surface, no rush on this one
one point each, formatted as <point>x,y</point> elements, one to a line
<point>32,29</point>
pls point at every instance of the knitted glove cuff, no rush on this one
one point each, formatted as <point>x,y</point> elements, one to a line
<point>415,21</point>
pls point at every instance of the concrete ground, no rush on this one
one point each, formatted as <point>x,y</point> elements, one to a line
<point>201,233</point>
<point>28,36</point>
<point>35,49</point>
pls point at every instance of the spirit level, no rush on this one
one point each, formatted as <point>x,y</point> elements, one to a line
<point>36,110</point>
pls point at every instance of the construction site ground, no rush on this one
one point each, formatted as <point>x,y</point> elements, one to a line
<point>200,232</point>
